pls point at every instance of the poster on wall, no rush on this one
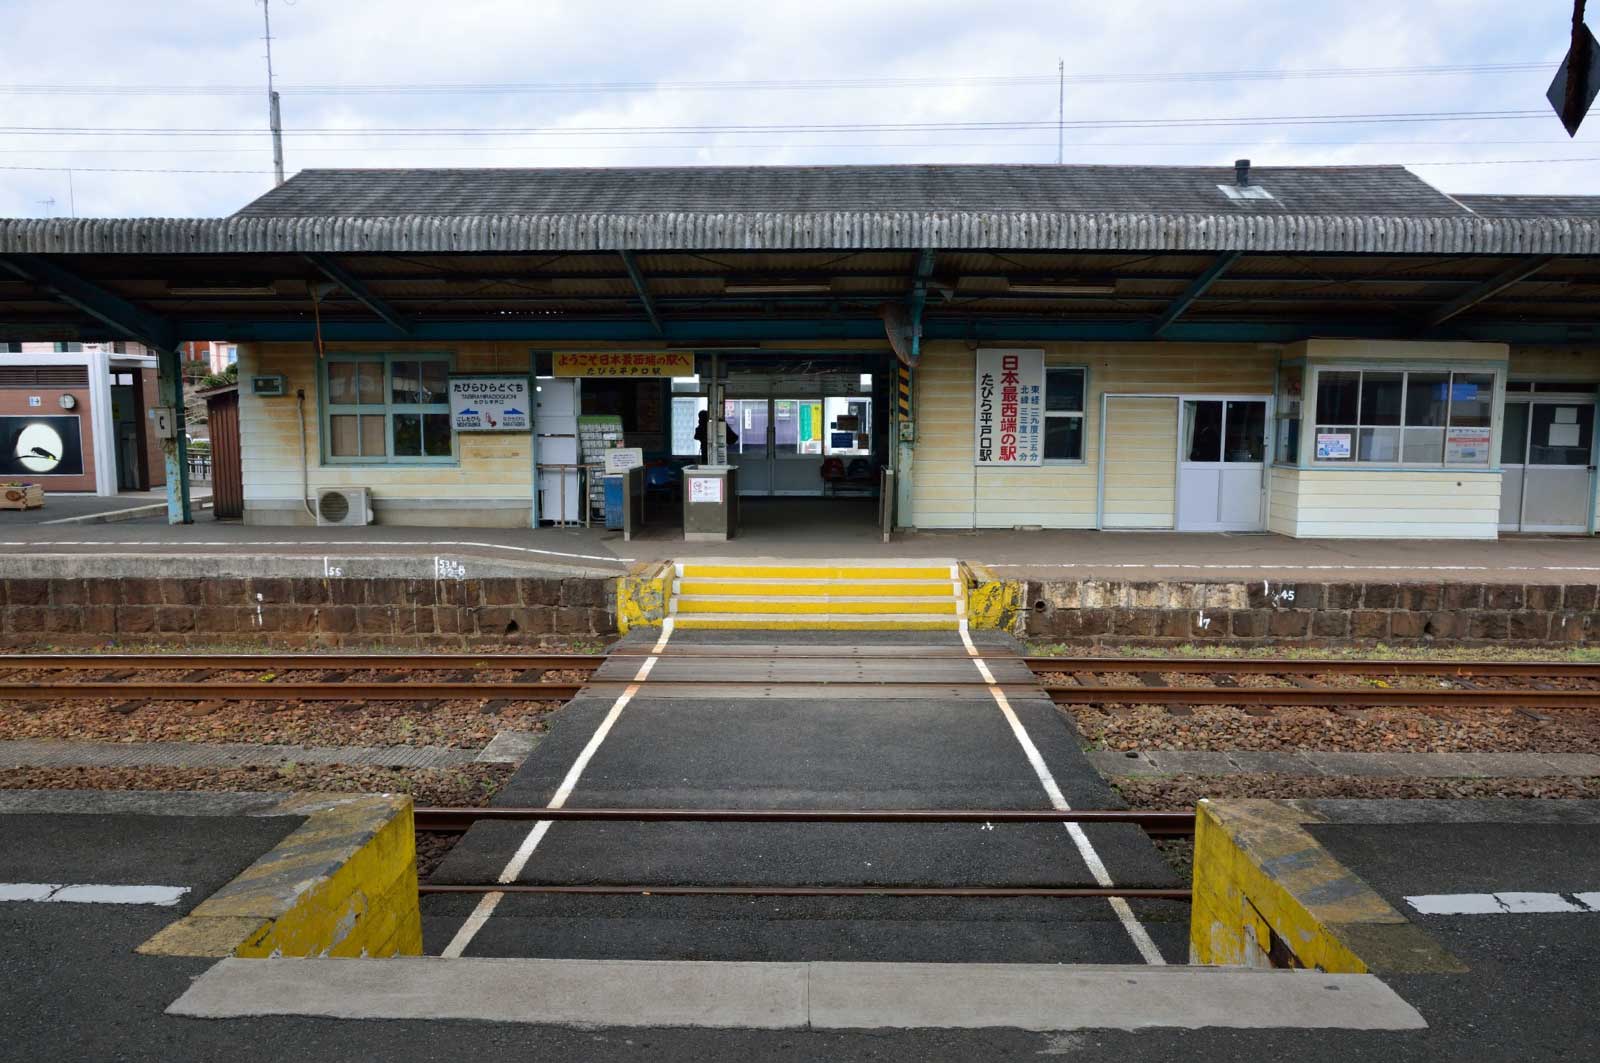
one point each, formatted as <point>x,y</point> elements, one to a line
<point>1008,428</point>
<point>40,446</point>
<point>1333,446</point>
<point>489,404</point>
<point>1468,446</point>
<point>622,363</point>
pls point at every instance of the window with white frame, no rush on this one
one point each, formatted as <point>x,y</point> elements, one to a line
<point>1063,413</point>
<point>1403,416</point>
<point>387,408</point>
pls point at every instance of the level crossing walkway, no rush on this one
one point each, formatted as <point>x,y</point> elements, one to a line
<point>809,720</point>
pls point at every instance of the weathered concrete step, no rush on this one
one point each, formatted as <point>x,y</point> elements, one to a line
<point>820,587</point>
<point>723,603</point>
<point>817,621</point>
<point>761,568</point>
<point>797,995</point>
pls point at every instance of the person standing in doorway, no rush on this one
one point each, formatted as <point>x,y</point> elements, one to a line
<point>702,435</point>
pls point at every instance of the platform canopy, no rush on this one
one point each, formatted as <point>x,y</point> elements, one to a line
<point>722,255</point>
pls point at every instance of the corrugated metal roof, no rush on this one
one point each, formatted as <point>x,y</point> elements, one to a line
<point>1014,230</point>
<point>653,190</point>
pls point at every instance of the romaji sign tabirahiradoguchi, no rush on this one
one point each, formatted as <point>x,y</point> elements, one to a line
<point>489,404</point>
<point>1009,425</point>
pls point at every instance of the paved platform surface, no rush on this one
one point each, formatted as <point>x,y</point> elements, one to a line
<point>71,987</point>
<point>125,505</point>
<point>1529,993</point>
<point>147,548</point>
<point>786,746</point>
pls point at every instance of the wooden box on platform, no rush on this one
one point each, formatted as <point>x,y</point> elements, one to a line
<point>21,496</point>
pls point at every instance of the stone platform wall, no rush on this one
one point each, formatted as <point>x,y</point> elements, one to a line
<point>303,612</point>
<point>1095,612</point>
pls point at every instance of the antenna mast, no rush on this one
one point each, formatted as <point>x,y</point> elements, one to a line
<point>1061,104</point>
<point>273,114</point>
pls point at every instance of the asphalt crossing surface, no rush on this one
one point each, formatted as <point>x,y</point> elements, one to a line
<point>848,752</point>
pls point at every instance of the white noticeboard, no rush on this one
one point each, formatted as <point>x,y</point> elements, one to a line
<point>489,404</point>
<point>705,488</point>
<point>1009,411</point>
<point>621,459</point>
<point>1333,445</point>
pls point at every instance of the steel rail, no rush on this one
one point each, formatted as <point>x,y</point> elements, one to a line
<point>1129,893</point>
<point>577,662</point>
<point>204,691</point>
<point>1340,697</point>
<point>455,820</point>
<point>298,662</point>
<point>1330,697</point>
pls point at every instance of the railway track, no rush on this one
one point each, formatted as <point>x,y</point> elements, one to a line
<point>396,677</point>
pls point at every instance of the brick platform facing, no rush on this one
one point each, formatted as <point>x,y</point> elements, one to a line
<point>1094,612</point>
<point>299,612</point>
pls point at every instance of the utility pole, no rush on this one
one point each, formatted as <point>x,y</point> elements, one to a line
<point>273,114</point>
<point>49,205</point>
<point>1061,105</point>
<point>72,196</point>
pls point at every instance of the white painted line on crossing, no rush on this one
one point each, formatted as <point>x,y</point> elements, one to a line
<point>91,893</point>
<point>1503,903</point>
<point>519,860</point>
<point>1058,801</point>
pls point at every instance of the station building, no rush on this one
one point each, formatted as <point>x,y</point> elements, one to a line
<point>1317,352</point>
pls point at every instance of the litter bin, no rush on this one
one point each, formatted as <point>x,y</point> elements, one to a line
<point>710,503</point>
<point>615,497</point>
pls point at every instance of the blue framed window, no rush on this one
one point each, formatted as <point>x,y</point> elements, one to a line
<point>383,409</point>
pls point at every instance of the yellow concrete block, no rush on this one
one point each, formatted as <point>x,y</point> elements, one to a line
<point>343,884</point>
<point>800,606</point>
<point>992,604</point>
<point>756,570</point>
<point>1259,875</point>
<point>820,588</point>
<point>642,596</point>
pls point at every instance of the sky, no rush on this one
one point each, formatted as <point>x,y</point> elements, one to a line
<point>94,92</point>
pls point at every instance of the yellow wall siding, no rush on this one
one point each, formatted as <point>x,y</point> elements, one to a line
<point>1374,505</point>
<point>946,484</point>
<point>489,466</point>
<point>1141,463</point>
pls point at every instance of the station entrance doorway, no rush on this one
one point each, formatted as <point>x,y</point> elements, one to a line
<point>807,434</point>
<point>1547,461</point>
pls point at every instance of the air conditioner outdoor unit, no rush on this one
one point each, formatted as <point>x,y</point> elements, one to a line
<point>343,507</point>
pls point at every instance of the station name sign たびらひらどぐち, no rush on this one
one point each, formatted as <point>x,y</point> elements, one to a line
<point>1010,408</point>
<point>489,404</point>
<point>623,363</point>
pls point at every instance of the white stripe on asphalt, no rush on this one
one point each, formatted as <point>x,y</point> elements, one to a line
<point>519,860</point>
<point>1086,850</point>
<point>90,893</point>
<point>1503,903</point>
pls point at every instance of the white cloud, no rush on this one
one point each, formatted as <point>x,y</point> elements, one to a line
<point>346,42</point>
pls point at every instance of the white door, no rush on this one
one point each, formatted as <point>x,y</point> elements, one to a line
<point>1222,465</point>
<point>1546,450</point>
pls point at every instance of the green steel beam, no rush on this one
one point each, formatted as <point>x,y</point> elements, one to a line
<point>1514,274</point>
<point>686,332</point>
<point>122,317</point>
<point>1195,289</point>
<point>330,268</point>
<point>636,275</point>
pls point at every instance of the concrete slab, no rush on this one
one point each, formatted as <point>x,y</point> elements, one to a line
<point>791,996</point>
<point>152,547</point>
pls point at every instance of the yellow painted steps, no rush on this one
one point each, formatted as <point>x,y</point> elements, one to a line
<point>817,595</point>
